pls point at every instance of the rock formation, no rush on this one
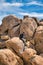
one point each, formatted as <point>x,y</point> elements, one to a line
<point>21,41</point>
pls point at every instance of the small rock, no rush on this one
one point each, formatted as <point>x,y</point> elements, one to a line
<point>5,37</point>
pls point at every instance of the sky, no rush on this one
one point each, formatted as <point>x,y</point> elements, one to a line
<point>19,8</point>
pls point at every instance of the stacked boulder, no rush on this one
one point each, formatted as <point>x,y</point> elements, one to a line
<point>28,27</point>
<point>10,26</point>
<point>21,41</point>
<point>39,39</point>
<point>9,58</point>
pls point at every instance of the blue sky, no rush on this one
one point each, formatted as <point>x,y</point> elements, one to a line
<point>20,8</point>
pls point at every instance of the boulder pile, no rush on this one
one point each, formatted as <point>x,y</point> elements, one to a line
<point>21,41</point>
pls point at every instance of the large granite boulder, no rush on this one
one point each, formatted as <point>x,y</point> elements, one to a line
<point>7,57</point>
<point>16,45</point>
<point>28,53</point>
<point>9,22</point>
<point>39,39</point>
<point>37,60</point>
<point>28,28</point>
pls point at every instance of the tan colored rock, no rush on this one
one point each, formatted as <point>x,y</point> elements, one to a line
<point>28,53</point>
<point>7,57</point>
<point>5,37</point>
<point>37,60</point>
<point>39,39</point>
<point>4,29</point>
<point>36,19</point>
<point>0,29</point>
<point>9,22</point>
<point>39,28</point>
<point>16,45</point>
<point>14,32</point>
<point>28,27</point>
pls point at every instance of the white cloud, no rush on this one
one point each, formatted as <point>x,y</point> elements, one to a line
<point>33,14</point>
<point>34,3</point>
<point>22,13</point>
<point>11,4</point>
<point>22,4</point>
<point>18,4</point>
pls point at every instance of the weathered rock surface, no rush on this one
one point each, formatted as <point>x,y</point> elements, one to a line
<point>21,41</point>
<point>14,32</point>
<point>7,57</point>
<point>10,24</point>
<point>16,45</point>
<point>39,39</point>
<point>27,54</point>
<point>36,19</point>
<point>28,27</point>
<point>37,60</point>
<point>10,21</point>
<point>0,29</point>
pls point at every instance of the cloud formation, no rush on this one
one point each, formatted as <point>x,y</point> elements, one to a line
<point>34,3</point>
<point>18,4</point>
<point>12,4</point>
<point>33,14</point>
